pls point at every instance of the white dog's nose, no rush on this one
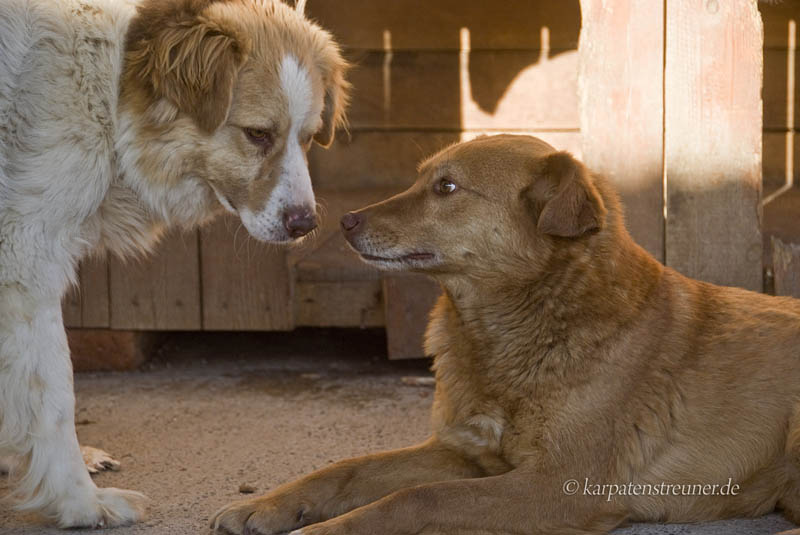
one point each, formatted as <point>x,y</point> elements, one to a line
<point>299,220</point>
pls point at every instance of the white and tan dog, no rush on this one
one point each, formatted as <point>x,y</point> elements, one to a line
<point>117,119</point>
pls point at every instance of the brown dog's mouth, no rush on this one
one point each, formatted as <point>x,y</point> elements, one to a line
<point>407,258</point>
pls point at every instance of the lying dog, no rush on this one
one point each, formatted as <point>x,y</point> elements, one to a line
<point>566,359</point>
<point>116,120</point>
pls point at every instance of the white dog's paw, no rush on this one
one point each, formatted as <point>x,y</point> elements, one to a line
<point>110,508</point>
<point>97,460</point>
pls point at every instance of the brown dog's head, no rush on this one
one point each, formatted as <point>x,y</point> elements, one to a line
<point>491,205</point>
<point>238,89</point>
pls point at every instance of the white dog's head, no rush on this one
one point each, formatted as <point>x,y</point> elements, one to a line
<point>242,88</point>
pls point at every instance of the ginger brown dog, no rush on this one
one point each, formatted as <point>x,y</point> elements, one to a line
<point>566,358</point>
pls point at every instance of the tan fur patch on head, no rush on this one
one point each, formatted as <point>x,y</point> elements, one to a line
<point>175,51</point>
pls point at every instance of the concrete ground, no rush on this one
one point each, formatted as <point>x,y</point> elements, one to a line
<point>213,412</point>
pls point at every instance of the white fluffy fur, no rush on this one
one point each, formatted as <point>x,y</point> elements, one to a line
<point>69,183</point>
<point>59,70</point>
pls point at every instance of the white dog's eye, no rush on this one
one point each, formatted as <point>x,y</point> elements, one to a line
<point>260,137</point>
<point>444,186</point>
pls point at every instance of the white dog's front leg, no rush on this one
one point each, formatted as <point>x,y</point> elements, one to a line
<point>38,419</point>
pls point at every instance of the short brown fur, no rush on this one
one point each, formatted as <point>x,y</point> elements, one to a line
<point>562,351</point>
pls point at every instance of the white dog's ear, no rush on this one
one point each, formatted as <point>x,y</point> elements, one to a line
<point>337,94</point>
<point>178,54</point>
<point>572,206</point>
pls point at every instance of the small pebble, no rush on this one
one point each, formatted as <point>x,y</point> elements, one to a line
<point>244,488</point>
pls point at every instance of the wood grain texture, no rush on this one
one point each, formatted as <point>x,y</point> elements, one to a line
<point>786,268</point>
<point>776,16</point>
<point>71,307</point>
<point>87,303</point>
<point>160,291</point>
<point>339,304</point>
<point>775,162</point>
<point>387,160</point>
<point>95,298</point>
<point>776,97</point>
<point>514,89</point>
<point>408,300</point>
<point>713,140</point>
<point>422,24</point>
<point>246,284</point>
<point>622,108</point>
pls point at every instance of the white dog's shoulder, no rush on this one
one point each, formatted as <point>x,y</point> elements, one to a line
<point>60,64</point>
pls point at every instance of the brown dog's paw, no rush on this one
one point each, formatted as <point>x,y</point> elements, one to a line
<point>254,517</point>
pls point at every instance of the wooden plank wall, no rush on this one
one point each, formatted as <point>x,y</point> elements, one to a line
<point>416,90</point>
<point>712,130</point>
<point>781,95</point>
<point>408,65</point>
<point>622,105</point>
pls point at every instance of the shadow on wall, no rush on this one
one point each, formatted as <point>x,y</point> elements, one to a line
<point>424,72</point>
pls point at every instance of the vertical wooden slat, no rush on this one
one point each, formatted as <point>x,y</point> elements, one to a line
<point>71,307</point>
<point>621,91</point>
<point>408,300</point>
<point>160,291</point>
<point>86,304</point>
<point>246,285</point>
<point>95,302</point>
<point>786,266</point>
<point>713,140</point>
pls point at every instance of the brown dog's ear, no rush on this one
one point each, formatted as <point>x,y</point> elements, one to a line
<point>337,95</point>
<point>575,208</point>
<point>193,62</point>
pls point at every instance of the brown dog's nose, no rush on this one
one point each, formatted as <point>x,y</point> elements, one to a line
<point>299,221</point>
<point>351,222</point>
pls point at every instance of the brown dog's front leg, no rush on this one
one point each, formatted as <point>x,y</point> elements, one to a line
<point>342,487</point>
<point>512,503</point>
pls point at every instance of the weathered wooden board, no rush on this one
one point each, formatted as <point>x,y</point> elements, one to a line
<point>781,221</point>
<point>786,268</point>
<point>246,285</point>
<point>776,15</point>
<point>408,300</point>
<point>384,160</point>
<point>87,303</point>
<point>775,160</point>
<point>712,127</point>
<point>71,307</point>
<point>622,108</point>
<point>515,89</point>
<point>339,304</point>
<point>95,299</point>
<point>776,88</point>
<point>422,24</point>
<point>160,291</point>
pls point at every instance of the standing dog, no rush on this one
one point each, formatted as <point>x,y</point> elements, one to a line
<point>580,384</point>
<point>118,119</point>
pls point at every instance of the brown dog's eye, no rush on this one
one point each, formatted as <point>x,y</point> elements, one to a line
<point>260,137</point>
<point>445,186</point>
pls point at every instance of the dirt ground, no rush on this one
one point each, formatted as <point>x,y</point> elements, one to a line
<point>213,412</point>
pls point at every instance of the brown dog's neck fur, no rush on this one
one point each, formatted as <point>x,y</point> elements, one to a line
<point>561,305</point>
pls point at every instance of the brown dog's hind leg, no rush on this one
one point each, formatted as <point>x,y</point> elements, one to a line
<point>343,487</point>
